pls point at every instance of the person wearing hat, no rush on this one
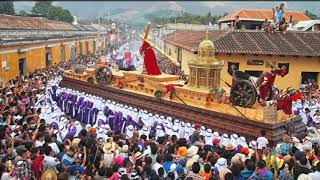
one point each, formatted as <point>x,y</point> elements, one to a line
<point>109,149</point>
<point>229,151</point>
<point>195,137</point>
<point>316,174</point>
<point>234,139</point>
<point>182,127</point>
<point>208,137</point>
<point>307,143</point>
<point>225,140</point>
<point>243,142</point>
<point>262,140</point>
<point>129,131</point>
<point>78,127</point>
<point>175,131</point>
<point>202,131</point>
<point>285,146</point>
<point>159,131</point>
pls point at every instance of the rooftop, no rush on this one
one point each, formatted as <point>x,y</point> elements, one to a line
<point>304,25</point>
<point>261,15</point>
<point>29,23</point>
<point>28,40</point>
<point>293,43</point>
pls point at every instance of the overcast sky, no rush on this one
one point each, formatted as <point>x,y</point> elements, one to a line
<point>85,9</point>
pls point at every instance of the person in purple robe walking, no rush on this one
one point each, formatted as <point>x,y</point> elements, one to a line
<point>310,122</point>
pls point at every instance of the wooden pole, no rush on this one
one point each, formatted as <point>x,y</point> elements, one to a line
<point>147,30</point>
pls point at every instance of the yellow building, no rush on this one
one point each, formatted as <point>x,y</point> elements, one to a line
<point>253,52</point>
<point>28,43</point>
<point>22,57</point>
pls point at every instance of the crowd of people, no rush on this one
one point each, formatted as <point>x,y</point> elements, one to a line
<point>309,107</point>
<point>48,131</point>
<point>52,132</point>
<point>279,22</point>
<point>168,67</point>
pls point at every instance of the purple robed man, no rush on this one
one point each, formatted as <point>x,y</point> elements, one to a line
<point>72,132</point>
<point>86,115</point>
<point>310,122</point>
<point>93,116</point>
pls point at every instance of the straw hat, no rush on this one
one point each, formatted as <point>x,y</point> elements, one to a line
<point>230,147</point>
<point>138,155</point>
<point>223,173</point>
<point>190,163</point>
<point>49,174</point>
<point>125,148</point>
<point>76,141</point>
<point>109,147</point>
<point>315,162</point>
<point>193,150</point>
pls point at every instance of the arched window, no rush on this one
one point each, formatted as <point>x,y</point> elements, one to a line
<point>211,77</point>
<point>193,76</point>
<point>202,77</point>
<point>210,54</point>
<point>203,54</point>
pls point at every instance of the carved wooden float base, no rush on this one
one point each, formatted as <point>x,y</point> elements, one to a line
<point>216,121</point>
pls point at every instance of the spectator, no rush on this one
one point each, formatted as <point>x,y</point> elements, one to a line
<point>237,23</point>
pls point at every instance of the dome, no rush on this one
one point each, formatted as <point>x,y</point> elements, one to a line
<point>206,44</point>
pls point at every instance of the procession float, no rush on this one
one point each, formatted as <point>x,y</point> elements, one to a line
<point>245,106</point>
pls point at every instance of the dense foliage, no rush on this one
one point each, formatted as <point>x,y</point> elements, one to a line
<point>185,18</point>
<point>41,7</point>
<point>59,14</point>
<point>7,7</point>
<point>311,15</point>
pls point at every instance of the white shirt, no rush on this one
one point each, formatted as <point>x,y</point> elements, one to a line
<point>107,159</point>
<point>262,142</point>
<point>38,143</point>
<point>156,166</point>
<point>314,175</point>
<point>50,162</point>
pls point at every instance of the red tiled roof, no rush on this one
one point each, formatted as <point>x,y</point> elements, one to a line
<point>190,39</point>
<point>256,14</point>
<point>293,43</point>
<point>25,23</point>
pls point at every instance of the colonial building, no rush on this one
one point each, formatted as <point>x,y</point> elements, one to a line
<point>28,43</point>
<point>253,52</point>
<point>251,18</point>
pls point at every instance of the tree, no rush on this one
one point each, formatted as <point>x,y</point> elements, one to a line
<point>59,14</point>
<point>7,7</point>
<point>66,16</point>
<point>41,7</point>
<point>311,15</point>
<point>23,13</point>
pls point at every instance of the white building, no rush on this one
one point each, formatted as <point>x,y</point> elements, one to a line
<point>310,25</point>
